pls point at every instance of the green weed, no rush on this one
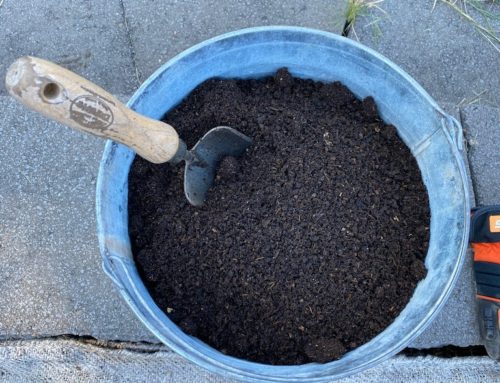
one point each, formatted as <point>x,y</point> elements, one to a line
<point>357,8</point>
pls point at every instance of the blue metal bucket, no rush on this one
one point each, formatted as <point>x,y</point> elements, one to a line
<point>434,138</point>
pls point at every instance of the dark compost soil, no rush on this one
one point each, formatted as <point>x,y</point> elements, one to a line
<point>307,247</point>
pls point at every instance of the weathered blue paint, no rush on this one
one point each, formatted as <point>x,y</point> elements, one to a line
<point>434,138</point>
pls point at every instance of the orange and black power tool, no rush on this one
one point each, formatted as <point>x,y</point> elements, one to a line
<point>485,240</point>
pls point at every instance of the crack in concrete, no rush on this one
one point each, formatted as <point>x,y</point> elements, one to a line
<point>347,28</point>
<point>445,352</point>
<point>130,44</point>
<point>449,351</point>
<point>138,347</point>
<point>467,153</point>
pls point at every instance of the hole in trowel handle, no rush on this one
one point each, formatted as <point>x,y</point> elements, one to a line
<point>51,91</point>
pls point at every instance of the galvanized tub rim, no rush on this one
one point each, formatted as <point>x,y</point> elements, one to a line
<point>118,263</point>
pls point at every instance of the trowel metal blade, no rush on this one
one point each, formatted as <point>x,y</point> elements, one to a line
<point>203,159</point>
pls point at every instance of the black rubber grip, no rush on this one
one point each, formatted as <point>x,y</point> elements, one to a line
<point>489,291</point>
<point>486,267</point>
<point>488,279</point>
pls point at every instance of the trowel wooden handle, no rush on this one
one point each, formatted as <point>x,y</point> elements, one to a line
<point>76,102</point>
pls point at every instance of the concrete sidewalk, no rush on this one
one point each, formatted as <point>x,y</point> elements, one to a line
<point>51,278</point>
<point>437,47</point>
<point>70,361</point>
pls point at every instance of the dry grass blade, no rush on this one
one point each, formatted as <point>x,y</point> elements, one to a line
<point>478,5</point>
<point>478,97</point>
<point>480,23</point>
